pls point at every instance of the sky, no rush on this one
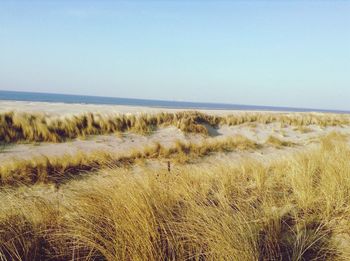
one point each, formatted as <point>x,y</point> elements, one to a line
<point>278,53</point>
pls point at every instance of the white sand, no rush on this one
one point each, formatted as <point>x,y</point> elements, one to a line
<point>70,108</point>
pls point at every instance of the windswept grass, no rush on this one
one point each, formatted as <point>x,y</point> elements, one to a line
<point>44,169</point>
<point>293,209</point>
<point>24,127</point>
<point>279,143</point>
<point>16,127</point>
<point>304,129</point>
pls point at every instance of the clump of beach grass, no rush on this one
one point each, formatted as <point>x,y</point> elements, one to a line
<point>304,129</point>
<point>279,143</point>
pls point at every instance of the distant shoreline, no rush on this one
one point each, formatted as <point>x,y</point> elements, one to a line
<point>156,104</point>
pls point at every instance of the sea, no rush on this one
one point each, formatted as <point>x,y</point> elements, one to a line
<point>85,99</point>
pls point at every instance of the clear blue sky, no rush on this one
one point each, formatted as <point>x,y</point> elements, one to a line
<point>280,53</point>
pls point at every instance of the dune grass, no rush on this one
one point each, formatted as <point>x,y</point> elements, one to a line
<point>304,129</point>
<point>15,127</point>
<point>25,127</point>
<point>293,209</point>
<point>43,169</point>
<point>279,143</point>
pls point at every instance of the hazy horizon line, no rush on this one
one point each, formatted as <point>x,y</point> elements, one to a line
<point>188,102</point>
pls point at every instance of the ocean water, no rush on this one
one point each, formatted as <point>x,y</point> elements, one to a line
<point>65,98</point>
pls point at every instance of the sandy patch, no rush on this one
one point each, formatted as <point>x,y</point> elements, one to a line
<point>61,109</point>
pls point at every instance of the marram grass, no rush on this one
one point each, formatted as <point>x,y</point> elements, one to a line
<point>43,169</point>
<point>292,209</point>
<point>25,127</point>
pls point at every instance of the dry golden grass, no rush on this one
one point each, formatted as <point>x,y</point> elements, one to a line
<point>304,129</point>
<point>285,119</point>
<point>16,127</point>
<point>23,127</point>
<point>294,209</point>
<point>56,169</point>
<point>279,143</point>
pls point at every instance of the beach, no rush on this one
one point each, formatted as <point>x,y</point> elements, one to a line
<point>59,109</point>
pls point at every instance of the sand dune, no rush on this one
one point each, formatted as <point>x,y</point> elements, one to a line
<point>119,194</point>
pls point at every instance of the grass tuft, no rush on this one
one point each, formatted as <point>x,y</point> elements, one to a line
<point>278,143</point>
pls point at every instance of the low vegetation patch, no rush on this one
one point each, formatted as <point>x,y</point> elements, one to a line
<point>279,143</point>
<point>304,129</point>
